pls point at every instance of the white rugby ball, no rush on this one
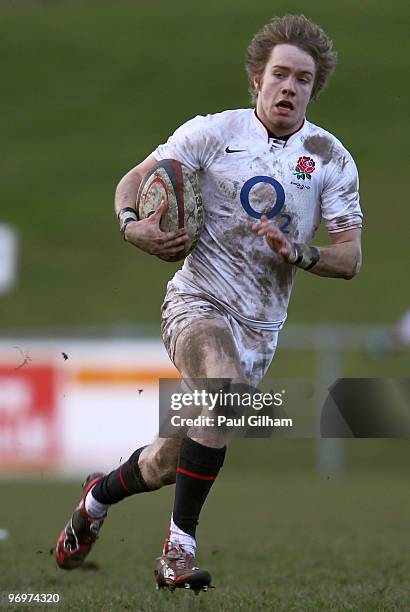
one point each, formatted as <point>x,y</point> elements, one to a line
<point>170,179</point>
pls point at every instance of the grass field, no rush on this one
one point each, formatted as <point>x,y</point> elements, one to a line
<point>274,536</point>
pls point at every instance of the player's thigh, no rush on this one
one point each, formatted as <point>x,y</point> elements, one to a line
<point>206,349</point>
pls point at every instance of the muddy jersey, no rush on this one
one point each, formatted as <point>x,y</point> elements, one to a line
<point>243,174</point>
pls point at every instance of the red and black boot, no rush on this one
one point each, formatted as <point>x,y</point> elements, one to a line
<point>177,569</point>
<point>78,536</point>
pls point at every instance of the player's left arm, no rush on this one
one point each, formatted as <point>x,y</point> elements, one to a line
<point>341,259</point>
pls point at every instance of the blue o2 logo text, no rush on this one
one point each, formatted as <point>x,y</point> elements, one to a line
<point>277,208</point>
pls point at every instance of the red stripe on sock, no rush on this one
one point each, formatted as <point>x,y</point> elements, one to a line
<point>124,486</point>
<point>200,476</point>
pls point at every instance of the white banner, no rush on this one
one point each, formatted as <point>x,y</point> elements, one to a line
<point>76,406</point>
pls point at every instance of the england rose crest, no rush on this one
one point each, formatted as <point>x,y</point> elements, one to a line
<point>304,168</point>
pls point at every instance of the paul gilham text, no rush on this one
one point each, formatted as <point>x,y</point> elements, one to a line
<point>254,420</point>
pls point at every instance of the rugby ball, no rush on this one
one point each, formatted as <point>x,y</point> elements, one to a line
<point>170,179</point>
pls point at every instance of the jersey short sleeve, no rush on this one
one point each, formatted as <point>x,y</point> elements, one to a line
<point>340,202</point>
<point>193,144</point>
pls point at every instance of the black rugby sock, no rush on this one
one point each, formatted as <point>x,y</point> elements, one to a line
<point>197,470</point>
<point>122,482</point>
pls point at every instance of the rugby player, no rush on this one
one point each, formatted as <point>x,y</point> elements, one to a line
<point>268,177</point>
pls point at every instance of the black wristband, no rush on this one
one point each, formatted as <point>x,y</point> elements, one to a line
<point>125,216</point>
<point>126,209</point>
<point>315,257</point>
<point>298,254</point>
<point>124,225</point>
<point>306,256</point>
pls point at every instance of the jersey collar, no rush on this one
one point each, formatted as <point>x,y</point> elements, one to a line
<point>264,133</point>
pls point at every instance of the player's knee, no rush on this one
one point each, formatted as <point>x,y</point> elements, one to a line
<point>168,475</point>
<point>149,470</point>
<point>159,465</point>
<point>166,459</point>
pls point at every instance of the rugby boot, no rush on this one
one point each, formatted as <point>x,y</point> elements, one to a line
<point>176,569</point>
<point>78,536</point>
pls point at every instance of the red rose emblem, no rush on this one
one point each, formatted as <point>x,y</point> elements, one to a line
<point>306,164</point>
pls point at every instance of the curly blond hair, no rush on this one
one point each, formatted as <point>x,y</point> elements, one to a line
<point>295,30</point>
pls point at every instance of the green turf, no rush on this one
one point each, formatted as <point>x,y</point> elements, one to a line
<point>93,87</point>
<point>274,535</point>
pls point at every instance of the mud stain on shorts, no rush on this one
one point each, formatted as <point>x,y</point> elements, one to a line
<point>204,342</point>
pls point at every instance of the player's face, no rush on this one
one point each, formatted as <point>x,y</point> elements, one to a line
<point>284,89</point>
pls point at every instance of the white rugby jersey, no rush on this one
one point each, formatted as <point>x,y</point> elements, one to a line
<point>243,173</point>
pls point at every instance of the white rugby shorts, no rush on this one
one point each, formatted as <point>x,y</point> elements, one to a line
<point>256,347</point>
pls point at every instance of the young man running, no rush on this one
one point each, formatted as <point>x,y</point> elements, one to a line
<point>268,177</point>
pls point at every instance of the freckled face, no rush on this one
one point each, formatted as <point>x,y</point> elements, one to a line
<point>284,89</point>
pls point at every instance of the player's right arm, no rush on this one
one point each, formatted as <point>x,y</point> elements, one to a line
<point>193,145</point>
<point>146,234</point>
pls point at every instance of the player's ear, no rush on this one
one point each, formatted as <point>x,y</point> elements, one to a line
<point>257,82</point>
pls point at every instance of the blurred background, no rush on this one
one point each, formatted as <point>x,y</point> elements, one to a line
<point>89,90</point>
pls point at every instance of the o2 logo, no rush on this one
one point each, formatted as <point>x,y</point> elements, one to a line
<point>279,204</point>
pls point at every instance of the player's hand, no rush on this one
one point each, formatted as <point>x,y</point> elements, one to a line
<point>275,238</point>
<point>147,235</point>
